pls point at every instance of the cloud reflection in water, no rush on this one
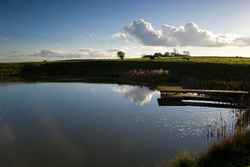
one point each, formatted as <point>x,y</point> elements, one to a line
<point>138,95</point>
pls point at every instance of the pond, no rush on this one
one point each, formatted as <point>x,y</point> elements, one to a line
<point>83,124</point>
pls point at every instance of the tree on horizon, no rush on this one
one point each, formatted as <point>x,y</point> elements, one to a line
<point>121,55</point>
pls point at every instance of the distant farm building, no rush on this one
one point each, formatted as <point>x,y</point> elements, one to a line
<point>167,54</point>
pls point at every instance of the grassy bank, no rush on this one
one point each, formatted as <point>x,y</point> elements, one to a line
<point>230,73</point>
<point>232,152</point>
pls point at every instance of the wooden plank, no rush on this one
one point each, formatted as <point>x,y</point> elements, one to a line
<point>179,90</point>
<point>201,98</point>
<point>163,102</point>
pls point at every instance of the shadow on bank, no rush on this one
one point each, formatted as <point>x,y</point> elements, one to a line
<point>190,74</point>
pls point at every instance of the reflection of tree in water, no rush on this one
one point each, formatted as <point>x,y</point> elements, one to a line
<point>219,129</point>
<point>222,128</point>
<point>243,116</point>
<point>243,120</point>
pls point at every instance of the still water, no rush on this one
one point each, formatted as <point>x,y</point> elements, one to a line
<point>80,124</point>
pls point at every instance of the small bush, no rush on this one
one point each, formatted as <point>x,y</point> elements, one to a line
<point>183,160</point>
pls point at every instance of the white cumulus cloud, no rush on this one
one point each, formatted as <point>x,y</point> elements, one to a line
<point>188,35</point>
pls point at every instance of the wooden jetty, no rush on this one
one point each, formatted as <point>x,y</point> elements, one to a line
<point>177,96</point>
<point>200,91</point>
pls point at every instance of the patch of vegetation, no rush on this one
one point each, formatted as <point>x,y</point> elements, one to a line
<point>232,152</point>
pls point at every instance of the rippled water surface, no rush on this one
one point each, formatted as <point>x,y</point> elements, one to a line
<point>79,124</point>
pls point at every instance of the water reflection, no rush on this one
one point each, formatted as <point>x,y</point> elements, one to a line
<point>75,124</point>
<point>242,120</point>
<point>221,128</point>
<point>138,95</point>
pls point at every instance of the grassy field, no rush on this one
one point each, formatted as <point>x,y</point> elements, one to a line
<point>202,59</point>
<point>219,72</point>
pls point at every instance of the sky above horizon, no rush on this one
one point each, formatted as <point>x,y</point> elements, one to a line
<point>64,29</point>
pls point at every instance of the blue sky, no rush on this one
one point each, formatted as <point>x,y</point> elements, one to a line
<point>28,26</point>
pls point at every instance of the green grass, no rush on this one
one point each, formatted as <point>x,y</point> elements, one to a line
<point>221,72</point>
<point>216,60</point>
